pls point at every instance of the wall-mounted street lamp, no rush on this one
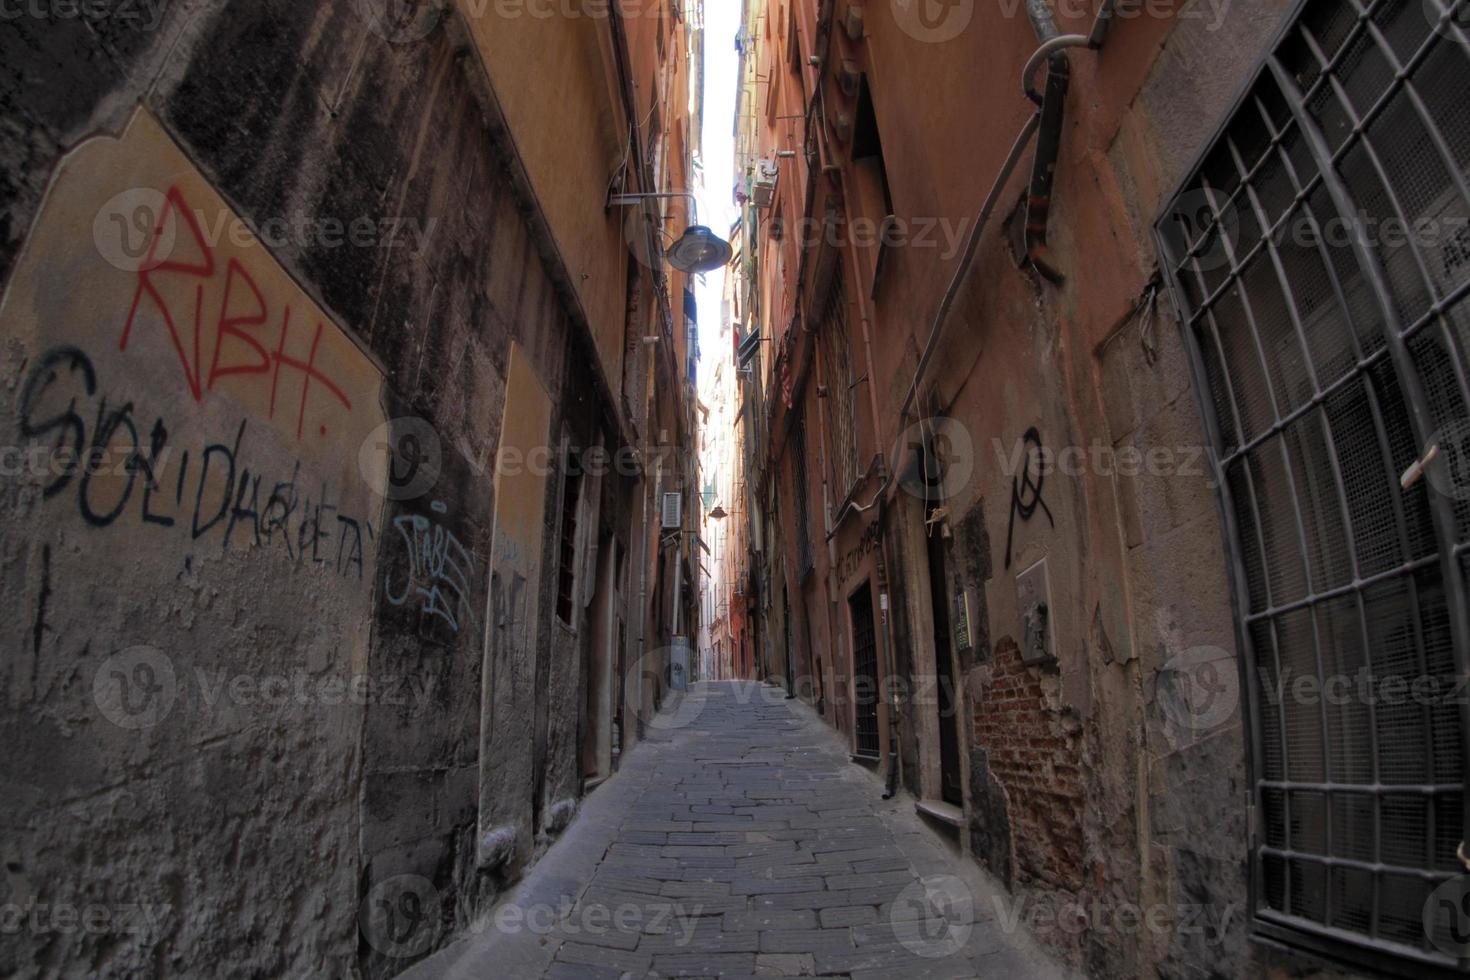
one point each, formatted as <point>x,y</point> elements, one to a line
<point>698,249</point>
<point>718,514</point>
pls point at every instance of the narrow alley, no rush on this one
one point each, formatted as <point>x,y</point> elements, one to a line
<point>522,489</point>
<point>740,841</point>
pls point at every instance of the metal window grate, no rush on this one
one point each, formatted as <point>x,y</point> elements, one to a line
<point>865,671</point>
<point>1321,261</point>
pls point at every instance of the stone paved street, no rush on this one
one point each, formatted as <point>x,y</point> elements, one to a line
<point>740,841</point>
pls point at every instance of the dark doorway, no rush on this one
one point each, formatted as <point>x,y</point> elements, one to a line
<point>949,743</point>
<point>944,690</point>
<point>790,653</point>
<point>865,671</point>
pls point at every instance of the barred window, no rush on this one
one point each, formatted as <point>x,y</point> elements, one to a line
<point>1318,256</point>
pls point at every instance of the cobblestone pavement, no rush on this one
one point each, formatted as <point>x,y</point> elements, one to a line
<point>740,841</point>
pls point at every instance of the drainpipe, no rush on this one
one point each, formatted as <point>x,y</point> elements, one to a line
<point>1053,50</point>
<point>828,526</point>
<point>941,317</point>
<point>895,761</point>
<point>1047,49</point>
<point>1049,140</point>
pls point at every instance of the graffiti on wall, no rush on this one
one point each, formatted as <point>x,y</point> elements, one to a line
<point>1026,487</point>
<point>227,297</point>
<point>439,570</point>
<point>103,455</point>
<point>177,380</point>
<point>851,562</point>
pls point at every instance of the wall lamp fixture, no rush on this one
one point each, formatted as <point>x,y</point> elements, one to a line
<point>698,249</point>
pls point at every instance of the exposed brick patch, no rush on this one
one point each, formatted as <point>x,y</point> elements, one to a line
<point>1034,747</point>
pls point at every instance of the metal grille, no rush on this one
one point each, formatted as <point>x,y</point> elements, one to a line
<point>841,386</point>
<point>865,672</point>
<point>1321,260</point>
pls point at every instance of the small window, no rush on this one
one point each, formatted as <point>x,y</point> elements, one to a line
<point>867,144</point>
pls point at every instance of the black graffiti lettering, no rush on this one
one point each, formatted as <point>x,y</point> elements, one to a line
<point>411,452</point>
<point>279,509</point>
<point>231,454</point>
<point>319,532</point>
<point>156,441</point>
<point>240,511</point>
<point>101,441</point>
<point>1026,489</point>
<point>183,472</point>
<point>42,376</point>
<point>108,442</point>
<point>355,555</point>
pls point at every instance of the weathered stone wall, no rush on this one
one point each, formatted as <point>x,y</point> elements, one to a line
<point>242,678</point>
<point>1087,786</point>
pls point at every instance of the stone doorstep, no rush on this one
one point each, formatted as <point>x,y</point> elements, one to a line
<point>946,813</point>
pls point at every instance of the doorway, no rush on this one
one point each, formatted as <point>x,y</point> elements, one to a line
<point>864,672</point>
<point>944,700</point>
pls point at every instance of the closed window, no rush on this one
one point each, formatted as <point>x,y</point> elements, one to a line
<point>1318,255</point>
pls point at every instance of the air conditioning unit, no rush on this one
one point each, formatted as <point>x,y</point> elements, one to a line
<point>673,511</point>
<point>763,186</point>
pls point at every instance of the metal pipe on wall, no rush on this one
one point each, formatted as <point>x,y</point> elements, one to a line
<point>941,316</point>
<point>1059,42</point>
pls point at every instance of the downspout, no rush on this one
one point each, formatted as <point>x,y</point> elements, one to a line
<point>1047,49</point>
<point>895,761</point>
<point>819,377</point>
<point>1049,139</point>
<point>941,317</point>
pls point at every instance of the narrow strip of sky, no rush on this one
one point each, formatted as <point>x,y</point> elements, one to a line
<point>716,204</point>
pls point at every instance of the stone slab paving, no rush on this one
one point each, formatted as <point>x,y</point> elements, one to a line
<point>739,841</point>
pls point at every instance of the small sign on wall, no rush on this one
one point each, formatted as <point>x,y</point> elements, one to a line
<point>963,638</point>
<point>1033,599</point>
